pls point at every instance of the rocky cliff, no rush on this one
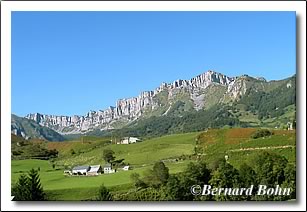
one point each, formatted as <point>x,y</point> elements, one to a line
<point>30,129</point>
<point>127,110</point>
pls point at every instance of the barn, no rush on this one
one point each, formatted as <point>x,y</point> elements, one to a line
<point>80,170</point>
<point>94,170</point>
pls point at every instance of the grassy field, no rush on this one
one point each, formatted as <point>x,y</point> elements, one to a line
<point>137,155</point>
<point>213,144</point>
<point>141,156</point>
<point>238,144</point>
<point>62,187</point>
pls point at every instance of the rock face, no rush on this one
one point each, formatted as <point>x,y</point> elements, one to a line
<point>130,109</point>
<point>29,129</point>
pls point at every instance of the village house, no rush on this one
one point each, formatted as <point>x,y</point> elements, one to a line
<point>94,170</point>
<point>129,140</point>
<point>87,170</point>
<point>107,169</point>
<point>126,168</point>
<point>290,126</point>
<point>80,170</point>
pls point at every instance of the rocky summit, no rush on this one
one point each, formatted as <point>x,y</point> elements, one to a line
<point>201,91</point>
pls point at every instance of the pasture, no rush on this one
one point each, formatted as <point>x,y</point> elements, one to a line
<point>238,144</point>
<point>137,155</point>
<point>210,145</point>
<point>62,187</point>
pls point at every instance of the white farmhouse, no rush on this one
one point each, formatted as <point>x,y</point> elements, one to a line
<point>133,140</point>
<point>130,140</point>
<point>107,169</point>
<point>94,170</point>
<point>125,141</point>
<point>86,170</point>
<point>80,170</point>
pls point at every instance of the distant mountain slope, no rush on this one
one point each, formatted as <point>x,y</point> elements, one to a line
<point>272,103</point>
<point>261,106</point>
<point>244,97</point>
<point>30,129</point>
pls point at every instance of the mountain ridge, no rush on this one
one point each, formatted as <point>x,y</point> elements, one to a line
<point>194,91</point>
<point>28,129</point>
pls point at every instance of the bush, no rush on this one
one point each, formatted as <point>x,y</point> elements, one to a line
<point>104,194</point>
<point>261,133</point>
<point>138,183</point>
<point>72,152</point>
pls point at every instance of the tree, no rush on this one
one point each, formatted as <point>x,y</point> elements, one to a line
<point>226,176</point>
<point>248,178</point>
<point>104,194</point>
<point>138,183</point>
<point>108,155</point>
<point>161,172</point>
<point>29,188</point>
<point>173,189</point>
<point>156,176</point>
<point>20,190</point>
<point>247,175</point>
<point>194,174</point>
<point>35,188</point>
<point>290,179</point>
<point>269,168</point>
<point>270,171</point>
<point>214,165</point>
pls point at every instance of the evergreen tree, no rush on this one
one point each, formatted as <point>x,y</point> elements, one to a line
<point>20,190</point>
<point>28,188</point>
<point>35,189</point>
<point>104,194</point>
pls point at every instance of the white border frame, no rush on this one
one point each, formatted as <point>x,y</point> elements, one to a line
<point>7,7</point>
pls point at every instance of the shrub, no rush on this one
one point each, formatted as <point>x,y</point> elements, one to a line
<point>104,194</point>
<point>261,133</point>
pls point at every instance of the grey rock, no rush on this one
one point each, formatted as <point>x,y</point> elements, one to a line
<point>131,109</point>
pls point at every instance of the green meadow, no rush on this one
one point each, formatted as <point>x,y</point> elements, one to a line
<point>185,148</point>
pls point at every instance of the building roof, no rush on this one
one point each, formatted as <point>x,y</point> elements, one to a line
<point>127,138</point>
<point>134,138</point>
<point>81,168</point>
<point>107,166</point>
<point>94,168</point>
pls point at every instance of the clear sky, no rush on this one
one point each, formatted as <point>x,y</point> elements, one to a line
<point>67,63</point>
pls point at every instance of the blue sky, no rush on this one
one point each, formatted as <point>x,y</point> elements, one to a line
<point>67,63</point>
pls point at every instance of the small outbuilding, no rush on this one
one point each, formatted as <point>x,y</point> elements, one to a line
<point>107,169</point>
<point>126,168</point>
<point>67,172</point>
